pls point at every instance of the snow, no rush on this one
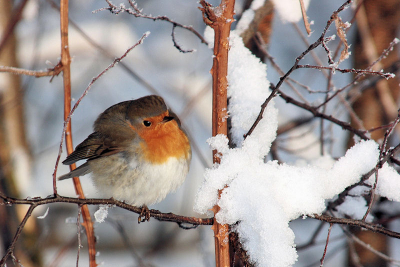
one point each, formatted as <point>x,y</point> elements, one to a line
<point>101,214</point>
<point>246,71</point>
<point>261,198</point>
<point>44,215</point>
<point>245,20</point>
<point>388,183</point>
<point>355,207</point>
<point>290,10</point>
<point>248,16</point>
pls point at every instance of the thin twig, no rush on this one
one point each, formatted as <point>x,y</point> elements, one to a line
<point>381,153</point>
<point>10,249</point>
<point>36,73</point>
<point>357,223</point>
<point>106,52</point>
<point>167,217</point>
<point>361,72</point>
<point>326,244</point>
<point>139,14</point>
<point>321,40</point>
<point>305,19</point>
<point>79,230</point>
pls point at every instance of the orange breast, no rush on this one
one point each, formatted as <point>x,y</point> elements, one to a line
<point>164,141</point>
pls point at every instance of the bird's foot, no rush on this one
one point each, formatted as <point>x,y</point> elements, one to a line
<point>144,214</point>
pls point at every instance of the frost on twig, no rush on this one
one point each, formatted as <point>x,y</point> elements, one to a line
<point>138,13</point>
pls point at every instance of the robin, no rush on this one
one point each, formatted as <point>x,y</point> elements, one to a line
<point>138,152</point>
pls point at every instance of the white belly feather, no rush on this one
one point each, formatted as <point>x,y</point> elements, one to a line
<point>138,184</point>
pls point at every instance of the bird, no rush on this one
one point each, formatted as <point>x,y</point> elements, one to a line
<point>137,153</point>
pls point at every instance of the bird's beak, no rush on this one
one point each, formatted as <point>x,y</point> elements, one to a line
<point>167,119</point>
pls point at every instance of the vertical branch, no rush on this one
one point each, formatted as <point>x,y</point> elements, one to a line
<point>66,62</point>
<point>220,19</point>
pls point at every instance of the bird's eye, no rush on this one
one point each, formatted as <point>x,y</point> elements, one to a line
<point>147,123</point>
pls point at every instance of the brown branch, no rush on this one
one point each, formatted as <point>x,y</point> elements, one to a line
<point>167,217</point>
<point>305,19</point>
<point>66,63</point>
<point>326,244</point>
<point>36,73</point>
<point>316,113</point>
<point>357,223</point>
<point>221,24</point>
<point>387,75</point>
<point>10,249</point>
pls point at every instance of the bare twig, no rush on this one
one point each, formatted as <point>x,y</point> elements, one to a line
<point>37,73</point>
<point>10,249</point>
<point>316,113</point>
<point>326,244</point>
<point>106,52</point>
<point>321,41</point>
<point>381,154</point>
<point>357,223</point>
<point>167,217</point>
<point>135,11</point>
<point>66,64</point>
<point>357,71</point>
<point>176,42</point>
<point>305,19</point>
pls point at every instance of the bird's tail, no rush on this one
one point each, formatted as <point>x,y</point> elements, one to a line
<point>80,171</point>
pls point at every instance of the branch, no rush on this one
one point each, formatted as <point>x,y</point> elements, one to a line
<point>316,113</point>
<point>321,41</point>
<point>156,214</point>
<point>36,73</point>
<point>387,75</point>
<point>135,11</point>
<point>66,64</point>
<point>21,226</point>
<point>357,223</point>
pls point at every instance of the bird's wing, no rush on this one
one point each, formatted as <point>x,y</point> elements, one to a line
<point>80,171</point>
<point>94,146</point>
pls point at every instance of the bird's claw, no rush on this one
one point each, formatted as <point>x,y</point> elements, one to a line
<point>144,214</point>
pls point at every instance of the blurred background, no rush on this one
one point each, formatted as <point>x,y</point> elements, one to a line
<point>31,112</point>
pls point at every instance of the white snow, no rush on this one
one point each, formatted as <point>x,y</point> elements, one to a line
<point>101,214</point>
<point>248,87</point>
<point>289,10</point>
<point>355,207</point>
<point>44,215</point>
<point>388,183</point>
<point>248,16</point>
<point>265,196</point>
<point>245,20</point>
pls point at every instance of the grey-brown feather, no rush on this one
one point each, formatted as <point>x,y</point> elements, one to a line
<point>80,171</point>
<point>105,140</point>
